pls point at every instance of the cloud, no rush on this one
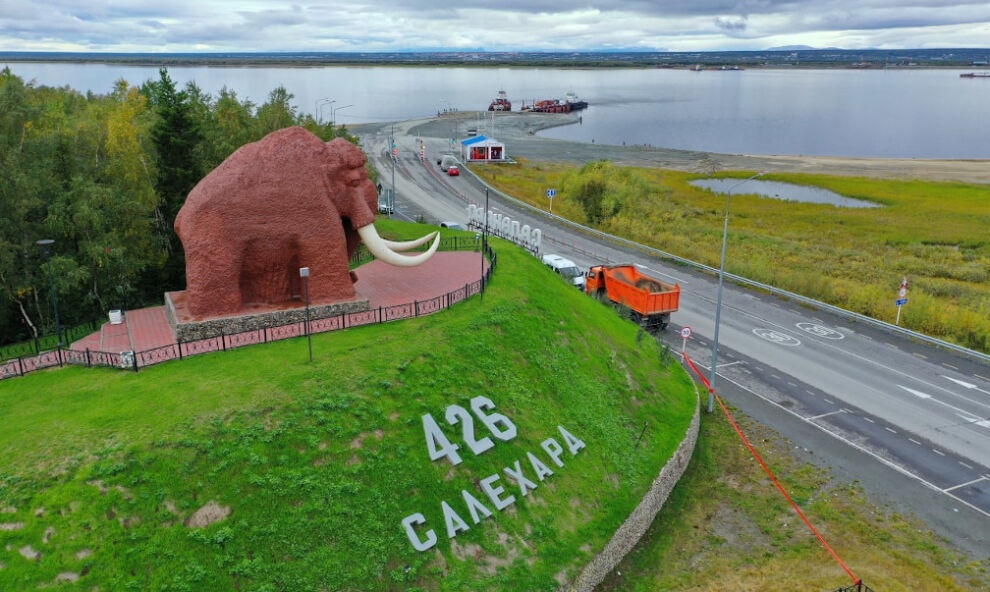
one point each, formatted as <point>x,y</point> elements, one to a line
<point>371,25</point>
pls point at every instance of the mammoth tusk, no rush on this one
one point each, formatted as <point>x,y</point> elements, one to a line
<point>380,248</point>
<point>406,245</point>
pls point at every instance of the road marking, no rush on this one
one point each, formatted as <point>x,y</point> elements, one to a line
<point>938,452</point>
<point>820,331</point>
<point>892,345</point>
<point>729,364</point>
<point>791,384</point>
<point>774,376</point>
<point>847,410</point>
<point>759,368</point>
<point>829,402</point>
<point>674,277</point>
<point>965,385</point>
<point>964,464</point>
<point>890,430</point>
<point>983,377</point>
<point>809,392</point>
<point>915,441</point>
<point>890,465</point>
<point>729,355</point>
<point>869,420</point>
<point>917,355</point>
<point>916,393</point>
<point>826,414</point>
<point>947,365</point>
<point>964,484</point>
<point>776,337</point>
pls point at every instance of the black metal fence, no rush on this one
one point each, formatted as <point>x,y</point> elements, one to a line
<point>22,365</point>
<point>40,344</point>
<point>857,587</point>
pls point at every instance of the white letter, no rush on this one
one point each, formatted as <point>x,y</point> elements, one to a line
<point>474,506</point>
<point>573,444</point>
<point>472,212</point>
<point>524,236</point>
<point>506,227</point>
<point>494,492</point>
<point>431,537</point>
<point>537,239</point>
<point>542,471</point>
<point>524,484</point>
<point>515,231</point>
<point>454,522</point>
<point>554,450</point>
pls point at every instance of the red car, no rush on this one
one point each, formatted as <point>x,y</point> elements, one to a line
<point>453,171</point>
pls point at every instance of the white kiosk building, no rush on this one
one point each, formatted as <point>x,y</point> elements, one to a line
<point>482,148</point>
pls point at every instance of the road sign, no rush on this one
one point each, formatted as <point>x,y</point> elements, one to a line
<point>902,292</point>
<point>901,301</point>
<point>686,332</point>
<point>551,193</point>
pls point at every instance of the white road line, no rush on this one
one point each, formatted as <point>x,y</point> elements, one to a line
<point>869,420</point>
<point>948,489</point>
<point>856,446</point>
<point>809,392</point>
<point>674,277</point>
<point>983,377</point>
<point>729,364</point>
<point>829,402</point>
<point>964,464</point>
<point>938,452</point>
<point>890,430</point>
<point>915,441</point>
<point>892,345</point>
<point>947,365</point>
<point>789,383</point>
<point>775,376</point>
<point>826,414</point>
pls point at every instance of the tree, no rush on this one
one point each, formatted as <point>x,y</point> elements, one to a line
<point>278,112</point>
<point>176,138</point>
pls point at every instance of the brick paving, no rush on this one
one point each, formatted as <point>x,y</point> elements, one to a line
<point>382,284</point>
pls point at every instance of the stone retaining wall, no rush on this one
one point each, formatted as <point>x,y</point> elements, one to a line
<point>196,330</point>
<point>627,535</point>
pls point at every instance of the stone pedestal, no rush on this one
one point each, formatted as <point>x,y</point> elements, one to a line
<point>185,327</point>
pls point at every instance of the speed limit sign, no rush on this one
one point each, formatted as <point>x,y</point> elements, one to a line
<point>686,332</point>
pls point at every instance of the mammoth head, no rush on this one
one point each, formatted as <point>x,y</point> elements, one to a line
<point>359,200</point>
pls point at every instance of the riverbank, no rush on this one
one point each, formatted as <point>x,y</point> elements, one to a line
<point>519,132</point>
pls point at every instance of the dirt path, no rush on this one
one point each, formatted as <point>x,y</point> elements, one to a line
<point>518,131</point>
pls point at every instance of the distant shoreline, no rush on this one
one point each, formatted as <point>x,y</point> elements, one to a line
<point>953,58</point>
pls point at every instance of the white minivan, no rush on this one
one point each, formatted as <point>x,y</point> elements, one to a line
<point>566,268</point>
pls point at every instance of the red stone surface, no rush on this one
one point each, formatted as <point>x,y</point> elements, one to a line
<point>141,330</point>
<point>287,201</point>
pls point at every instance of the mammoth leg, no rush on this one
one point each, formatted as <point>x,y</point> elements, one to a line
<point>329,276</point>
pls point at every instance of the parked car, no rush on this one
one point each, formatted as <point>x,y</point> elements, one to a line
<point>453,171</point>
<point>566,268</point>
<point>451,225</point>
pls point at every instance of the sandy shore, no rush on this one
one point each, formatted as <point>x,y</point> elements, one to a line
<point>518,131</point>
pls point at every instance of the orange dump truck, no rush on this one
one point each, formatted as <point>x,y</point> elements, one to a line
<point>651,301</point>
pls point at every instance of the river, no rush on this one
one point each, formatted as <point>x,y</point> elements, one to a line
<point>923,113</point>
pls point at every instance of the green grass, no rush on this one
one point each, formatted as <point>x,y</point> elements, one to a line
<point>726,527</point>
<point>320,462</point>
<point>936,234</point>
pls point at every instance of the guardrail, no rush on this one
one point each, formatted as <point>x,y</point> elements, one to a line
<point>855,316</point>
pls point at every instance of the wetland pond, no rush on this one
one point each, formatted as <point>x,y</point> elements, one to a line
<point>784,191</point>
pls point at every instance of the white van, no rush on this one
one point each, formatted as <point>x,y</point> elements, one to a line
<point>566,268</point>
<point>447,161</point>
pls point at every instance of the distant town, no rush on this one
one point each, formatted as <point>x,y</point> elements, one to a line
<point>778,57</point>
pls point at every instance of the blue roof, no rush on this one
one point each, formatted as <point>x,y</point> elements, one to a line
<point>473,140</point>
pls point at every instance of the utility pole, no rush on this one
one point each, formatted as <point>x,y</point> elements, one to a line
<point>395,156</point>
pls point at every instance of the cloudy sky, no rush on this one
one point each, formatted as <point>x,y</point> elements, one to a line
<point>397,25</point>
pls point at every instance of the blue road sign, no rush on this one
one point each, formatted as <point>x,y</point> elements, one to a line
<point>551,193</point>
<point>900,301</point>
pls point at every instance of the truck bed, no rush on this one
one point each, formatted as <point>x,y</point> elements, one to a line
<point>627,286</point>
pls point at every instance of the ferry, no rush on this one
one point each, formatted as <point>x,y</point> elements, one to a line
<point>501,102</point>
<point>569,103</point>
<point>975,75</point>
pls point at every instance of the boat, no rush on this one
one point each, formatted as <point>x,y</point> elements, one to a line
<point>569,103</point>
<point>975,75</point>
<point>501,102</point>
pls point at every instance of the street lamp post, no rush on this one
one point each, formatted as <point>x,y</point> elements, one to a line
<point>46,244</point>
<point>304,274</point>
<point>319,108</point>
<point>333,113</point>
<point>718,305</point>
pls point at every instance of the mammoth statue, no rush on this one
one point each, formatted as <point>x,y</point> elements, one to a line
<point>284,202</point>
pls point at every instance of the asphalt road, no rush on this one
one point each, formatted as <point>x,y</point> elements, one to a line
<point>910,422</point>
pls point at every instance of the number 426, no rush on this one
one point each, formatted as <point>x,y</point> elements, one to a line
<point>439,446</point>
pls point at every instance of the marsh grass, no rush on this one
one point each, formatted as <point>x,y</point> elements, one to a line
<point>935,234</point>
<point>320,462</point>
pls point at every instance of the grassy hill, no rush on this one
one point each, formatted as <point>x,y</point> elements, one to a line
<point>255,470</point>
